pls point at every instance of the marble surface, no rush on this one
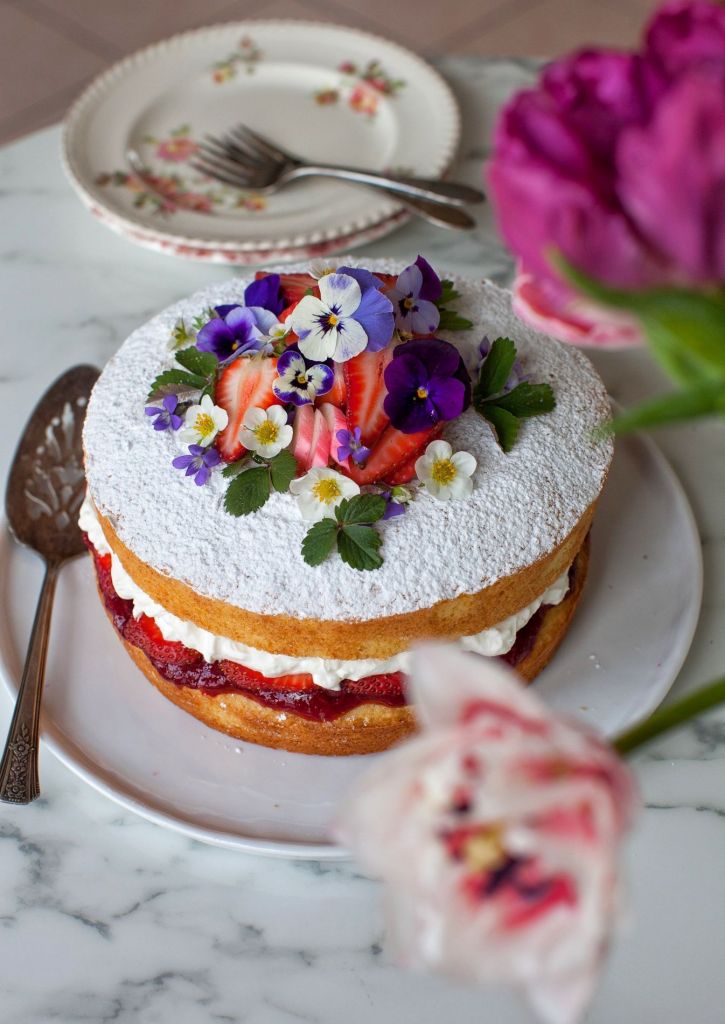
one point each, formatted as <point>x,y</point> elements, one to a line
<point>104,917</point>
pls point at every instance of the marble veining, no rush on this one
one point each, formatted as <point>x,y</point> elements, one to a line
<point>107,918</point>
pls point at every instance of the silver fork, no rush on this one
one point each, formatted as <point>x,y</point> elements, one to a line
<point>245,158</point>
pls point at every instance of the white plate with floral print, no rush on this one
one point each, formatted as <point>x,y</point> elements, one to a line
<point>104,720</point>
<point>329,93</point>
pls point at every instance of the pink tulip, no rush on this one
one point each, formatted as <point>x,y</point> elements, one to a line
<point>497,831</point>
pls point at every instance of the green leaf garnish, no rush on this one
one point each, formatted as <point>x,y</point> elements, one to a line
<point>203,319</point>
<point>202,363</point>
<point>176,382</point>
<point>505,425</point>
<point>247,492</point>
<point>448,293</point>
<point>234,468</point>
<point>496,368</point>
<point>282,470</point>
<point>358,542</point>
<point>451,321</point>
<point>319,541</point>
<point>358,546</point>
<point>504,410</point>
<point>363,508</point>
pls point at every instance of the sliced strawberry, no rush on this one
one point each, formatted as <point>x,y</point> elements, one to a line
<point>387,279</point>
<point>335,419</point>
<point>405,472</point>
<point>248,679</point>
<point>338,392</point>
<point>393,450</point>
<point>293,286</point>
<point>245,384</point>
<point>366,392</point>
<point>302,436</point>
<point>145,634</point>
<point>390,684</point>
<point>288,311</point>
<point>321,442</point>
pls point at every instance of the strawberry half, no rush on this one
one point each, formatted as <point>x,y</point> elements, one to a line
<point>321,442</point>
<point>338,392</point>
<point>145,634</point>
<point>248,679</point>
<point>393,450</point>
<point>335,419</point>
<point>406,470</point>
<point>244,384</point>
<point>390,684</point>
<point>366,393</point>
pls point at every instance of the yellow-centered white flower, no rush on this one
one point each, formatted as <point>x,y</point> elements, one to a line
<point>321,267</point>
<point>320,491</point>
<point>202,423</point>
<point>266,431</point>
<point>445,473</point>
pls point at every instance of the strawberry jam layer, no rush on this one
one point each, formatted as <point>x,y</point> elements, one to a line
<point>297,694</point>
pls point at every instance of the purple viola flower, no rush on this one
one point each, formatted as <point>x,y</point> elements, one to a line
<point>236,331</point>
<point>266,293</point>
<point>393,508</point>
<point>427,382</point>
<point>164,416</point>
<point>350,315</point>
<point>351,446</point>
<point>300,381</point>
<point>413,296</point>
<point>516,376</point>
<point>198,463</point>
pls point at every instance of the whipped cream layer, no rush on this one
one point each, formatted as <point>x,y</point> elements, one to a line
<point>326,672</point>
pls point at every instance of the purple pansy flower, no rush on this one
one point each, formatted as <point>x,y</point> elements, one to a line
<point>265,293</point>
<point>301,382</point>
<point>164,415</point>
<point>427,381</point>
<point>516,376</point>
<point>198,463</point>
<point>236,331</point>
<point>350,316</point>
<point>414,295</point>
<point>351,446</point>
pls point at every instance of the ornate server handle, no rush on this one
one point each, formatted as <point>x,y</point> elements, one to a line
<point>19,766</point>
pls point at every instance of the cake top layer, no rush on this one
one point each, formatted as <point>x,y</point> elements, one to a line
<point>523,503</point>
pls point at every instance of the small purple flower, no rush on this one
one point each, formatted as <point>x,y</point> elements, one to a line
<point>265,293</point>
<point>516,376</point>
<point>236,331</point>
<point>164,416</point>
<point>393,508</point>
<point>198,463</point>
<point>427,382</point>
<point>413,296</point>
<point>351,446</point>
<point>300,381</point>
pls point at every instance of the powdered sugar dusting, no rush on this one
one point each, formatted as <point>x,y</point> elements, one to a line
<point>523,504</point>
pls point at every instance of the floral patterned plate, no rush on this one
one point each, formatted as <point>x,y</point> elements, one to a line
<point>107,724</point>
<point>326,92</point>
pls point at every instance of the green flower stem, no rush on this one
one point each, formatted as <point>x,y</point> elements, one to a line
<point>671,717</point>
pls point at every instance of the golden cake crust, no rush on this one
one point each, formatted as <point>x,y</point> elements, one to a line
<point>366,729</point>
<point>374,638</point>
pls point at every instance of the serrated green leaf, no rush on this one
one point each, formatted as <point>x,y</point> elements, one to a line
<point>362,508</point>
<point>234,468</point>
<point>706,400</point>
<point>526,400</point>
<point>496,368</point>
<point>176,382</point>
<point>202,363</point>
<point>452,321</point>
<point>358,546</point>
<point>319,541</point>
<point>504,424</point>
<point>283,468</point>
<point>448,293</point>
<point>247,492</point>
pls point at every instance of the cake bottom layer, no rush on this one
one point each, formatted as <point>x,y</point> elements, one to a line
<point>364,717</point>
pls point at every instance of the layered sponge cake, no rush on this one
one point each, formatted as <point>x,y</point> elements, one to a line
<point>293,480</point>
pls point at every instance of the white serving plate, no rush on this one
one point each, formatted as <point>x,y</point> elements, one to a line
<point>104,720</point>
